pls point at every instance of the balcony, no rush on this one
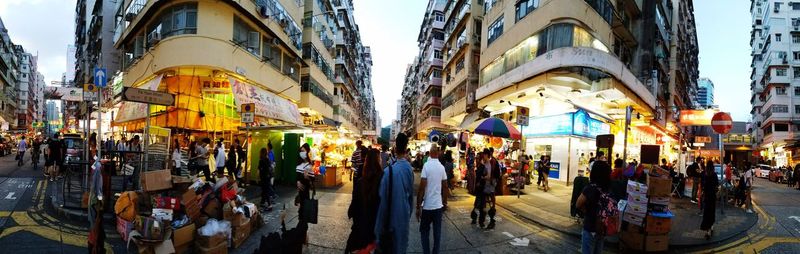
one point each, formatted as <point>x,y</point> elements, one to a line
<point>437,44</point>
<point>430,122</point>
<point>438,24</point>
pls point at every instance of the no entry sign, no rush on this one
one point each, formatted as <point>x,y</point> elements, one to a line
<point>722,123</point>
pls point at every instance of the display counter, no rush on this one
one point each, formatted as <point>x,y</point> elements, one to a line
<point>331,178</point>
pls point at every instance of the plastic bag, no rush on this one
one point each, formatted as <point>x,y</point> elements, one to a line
<point>213,227</point>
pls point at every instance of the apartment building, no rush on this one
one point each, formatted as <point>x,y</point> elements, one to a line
<point>578,65</point>
<point>20,85</point>
<point>462,49</point>
<point>95,22</point>
<point>410,96</point>
<point>774,79</point>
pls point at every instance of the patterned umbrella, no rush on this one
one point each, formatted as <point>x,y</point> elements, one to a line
<point>495,127</point>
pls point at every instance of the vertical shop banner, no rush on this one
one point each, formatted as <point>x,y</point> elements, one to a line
<point>268,104</point>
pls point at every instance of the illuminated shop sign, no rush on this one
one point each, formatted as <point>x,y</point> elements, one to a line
<point>577,123</point>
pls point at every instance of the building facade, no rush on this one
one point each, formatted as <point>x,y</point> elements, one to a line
<point>574,59</point>
<point>20,82</point>
<point>774,84</point>
<point>705,93</point>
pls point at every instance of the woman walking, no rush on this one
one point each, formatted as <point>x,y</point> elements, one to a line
<point>589,203</point>
<point>364,207</point>
<point>265,174</point>
<point>305,178</point>
<point>710,185</point>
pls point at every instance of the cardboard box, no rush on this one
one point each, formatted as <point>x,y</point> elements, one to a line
<point>660,200</point>
<point>656,243</point>
<point>637,198</point>
<point>186,248</point>
<point>241,233</point>
<point>637,209</point>
<point>656,225</point>
<point>634,219</point>
<point>657,171</point>
<point>183,235</point>
<point>218,249</point>
<point>201,221</point>
<point>633,240</point>
<point>658,187</point>
<point>634,187</point>
<point>156,180</point>
<point>211,241</point>
<point>189,197</point>
<point>213,209</point>
<point>193,211</point>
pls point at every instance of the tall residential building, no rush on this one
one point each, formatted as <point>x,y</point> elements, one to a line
<point>705,93</point>
<point>301,62</point>
<point>462,49</point>
<point>26,88</point>
<point>424,76</point>
<point>95,21</point>
<point>579,65</point>
<point>774,85</point>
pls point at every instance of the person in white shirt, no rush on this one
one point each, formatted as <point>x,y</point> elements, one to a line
<point>748,183</point>
<point>219,158</point>
<point>176,158</point>
<point>432,200</point>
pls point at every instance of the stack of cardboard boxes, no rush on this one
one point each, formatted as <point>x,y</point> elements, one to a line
<point>646,218</point>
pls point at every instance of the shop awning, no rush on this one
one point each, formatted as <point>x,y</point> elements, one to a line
<point>268,105</point>
<point>470,118</point>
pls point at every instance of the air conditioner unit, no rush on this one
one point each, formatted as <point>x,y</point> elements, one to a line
<point>153,38</point>
<point>263,11</point>
<point>252,40</point>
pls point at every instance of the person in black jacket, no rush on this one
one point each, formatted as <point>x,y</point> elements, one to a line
<point>265,174</point>
<point>231,161</point>
<point>364,207</point>
<point>710,185</point>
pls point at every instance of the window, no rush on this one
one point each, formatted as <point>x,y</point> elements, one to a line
<point>495,30</point>
<point>437,54</point>
<point>524,7</point>
<point>777,37</point>
<point>779,90</point>
<point>796,72</point>
<point>797,91</point>
<point>795,38</point>
<point>797,109</point>
<point>796,55</point>
<point>780,108</point>
<point>777,8</point>
<point>459,64</point>
<point>556,36</point>
<point>438,35</point>
<point>781,127</point>
<point>245,36</point>
<point>795,6</point>
<point>781,71</point>
<point>438,17</point>
<point>437,73</point>
<point>271,51</point>
<point>175,20</point>
<point>781,55</point>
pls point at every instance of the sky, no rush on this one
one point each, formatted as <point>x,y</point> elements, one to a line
<point>392,37</point>
<point>723,34</point>
<point>43,27</point>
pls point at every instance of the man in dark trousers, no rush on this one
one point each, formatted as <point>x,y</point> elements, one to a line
<point>693,171</point>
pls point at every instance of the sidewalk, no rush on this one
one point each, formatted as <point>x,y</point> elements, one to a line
<point>551,209</point>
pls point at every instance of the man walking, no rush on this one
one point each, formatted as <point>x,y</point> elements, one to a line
<point>357,161</point>
<point>397,200</point>
<point>693,171</point>
<point>21,147</point>
<point>432,200</point>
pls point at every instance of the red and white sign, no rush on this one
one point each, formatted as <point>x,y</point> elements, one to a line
<point>722,123</point>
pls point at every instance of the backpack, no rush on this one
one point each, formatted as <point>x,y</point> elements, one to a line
<point>608,215</point>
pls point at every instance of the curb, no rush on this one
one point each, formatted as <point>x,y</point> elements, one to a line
<point>615,240</point>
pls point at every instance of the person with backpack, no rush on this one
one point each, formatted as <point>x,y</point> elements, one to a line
<point>599,209</point>
<point>397,201</point>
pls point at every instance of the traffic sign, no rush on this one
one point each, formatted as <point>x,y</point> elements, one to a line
<point>522,116</point>
<point>148,96</point>
<point>100,77</point>
<point>89,92</point>
<point>722,123</point>
<point>248,112</point>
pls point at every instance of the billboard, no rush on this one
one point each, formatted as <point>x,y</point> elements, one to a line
<point>63,93</point>
<point>697,117</point>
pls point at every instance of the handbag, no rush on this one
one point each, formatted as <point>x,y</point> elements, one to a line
<point>386,238</point>
<point>311,207</point>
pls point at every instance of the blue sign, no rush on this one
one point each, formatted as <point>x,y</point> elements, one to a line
<point>577,123</point>
<point>555,169</point>
<point>100,77</point>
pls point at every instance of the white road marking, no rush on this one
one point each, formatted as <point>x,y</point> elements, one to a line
<point>520,242</point>
<point>11,195</point>
<point>508,234</point>
<point>797,218</point>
